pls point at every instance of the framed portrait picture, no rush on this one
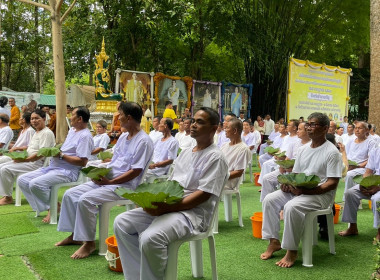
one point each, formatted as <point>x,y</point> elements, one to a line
<point>135,86</point>
<point>236,98</point>
<point>174,89</point>
<point>206,94</point>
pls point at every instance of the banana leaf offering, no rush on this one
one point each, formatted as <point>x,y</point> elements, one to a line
<point>369,181</point>
<point>169,192</point>
<point>270,150</point>
<point>48,152</point>
<point>17,155</point>
<point>282,154</point>
<point>353,163</point>
<point>58,146</point>
<point>289,163</point>
<point>95,172</point>
<point>299,180</point>
<point>269,142</point>
<point>105,155</point>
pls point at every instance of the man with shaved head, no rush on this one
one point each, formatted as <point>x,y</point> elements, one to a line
<point>236,152</point>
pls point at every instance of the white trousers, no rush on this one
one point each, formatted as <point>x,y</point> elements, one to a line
<point>143,241</point>
<point>80,208</point>
<point>266,168</point>
<point>9,172</point>
<point>351,206</point>
<point>4,159</point>
<point>349,180</point>
<point>263,158</point>
<point>295,209</point>
<point>262,148</point>
<point>36,186</point>
<point>269,184</point>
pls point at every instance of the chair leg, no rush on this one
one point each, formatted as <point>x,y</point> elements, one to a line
<point>239,209</point>
<point>53,205</point>
<point>307,242</point>
<point>228,207</point>
<point>104,216</point>
<point>196,258</point>
<point>211,245</point>
<point>18,195</point>
<point>330,228</point>
<point>250,173</point>
<point>171,265</point>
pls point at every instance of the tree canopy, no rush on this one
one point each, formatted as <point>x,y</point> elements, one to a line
<point>242,41</point>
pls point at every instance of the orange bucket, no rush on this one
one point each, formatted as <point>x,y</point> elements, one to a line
<point>258,215</point>
<point>257,225</point>
<point>369,204</point>
<point>112,255</point>
<point>337,211</point>
<point>257,175</point>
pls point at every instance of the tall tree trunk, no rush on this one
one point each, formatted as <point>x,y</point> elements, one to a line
<point>36,60</point>
<point>374,90</point>
<point>59,78</point>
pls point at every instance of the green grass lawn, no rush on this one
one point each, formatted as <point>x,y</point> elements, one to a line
<point>24,238</point>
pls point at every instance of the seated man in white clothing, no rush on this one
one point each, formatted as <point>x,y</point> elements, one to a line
<point>277,142</point>
<point>271,137</point>
<point>222,135</point>
<point>155,134</point>
<point>186,141</point>
<point>165,151</point>
<point>101,139</point>
<point>132,153</point>
<point>63,168</point>
<point>288,142</point>
<point>249,138</point>
<point>181,131</point>
<point>350,135</point>
<point>320,158</point>
<point>43,137</point>
<point>372,134</point>
<point>143,235</point>
<point>358,151</point>
<point>270,181</point>
<point>23,139</point>
<point>355,194</point>
<point>332,130</point>
<point>236,152</point>
<point>6,133</point>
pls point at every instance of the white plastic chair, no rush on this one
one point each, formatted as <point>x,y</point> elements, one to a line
<point>18,191</point>
<point>195,251</point>
<point>227,200</point>
<point>104,216</point>
<point>310,234</point>
<point>54,196</point>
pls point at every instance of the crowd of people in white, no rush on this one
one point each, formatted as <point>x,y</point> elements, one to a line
<point>200,157</point>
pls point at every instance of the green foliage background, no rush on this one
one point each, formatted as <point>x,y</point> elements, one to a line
<point>243,41</point>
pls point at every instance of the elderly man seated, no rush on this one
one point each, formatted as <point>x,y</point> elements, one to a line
<point>132,154</point>
<point>155,134</point>
<point>236,152</point>
<point>222,135</point>
<point>165,151</point>
<point>101,139</point>
<point>6,133</point>
<point>358,150</point>
<point>355,194</point>
<point>43,137</point>
<point>64,167</point>
<point>143,235</point>
<point>320,158</point>
<point>251,139</point>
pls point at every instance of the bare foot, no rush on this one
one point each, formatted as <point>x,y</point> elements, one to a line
<point>85,250</point>
<point>349,231</point>
<point>288,260</point>
<point>274,245</point>
<point>46,220</point>
<point>68,241</point>
<point>6,200</point>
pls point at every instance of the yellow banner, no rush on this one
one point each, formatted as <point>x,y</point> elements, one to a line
<point>314,87</point>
